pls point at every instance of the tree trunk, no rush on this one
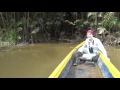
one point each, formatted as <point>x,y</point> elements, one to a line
<point>96,21</point>
<point>2,20</point>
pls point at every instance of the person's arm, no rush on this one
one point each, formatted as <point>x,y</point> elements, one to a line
<point>83,46</point>
<point>102,49</point>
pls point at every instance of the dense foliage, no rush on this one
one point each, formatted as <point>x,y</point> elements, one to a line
<point>35,27</point>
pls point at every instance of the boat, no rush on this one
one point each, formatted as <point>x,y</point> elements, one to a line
<point>103,68</point>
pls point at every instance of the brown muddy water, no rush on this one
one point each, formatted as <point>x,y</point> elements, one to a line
<point>114,55</point>
<point>33,61</point>
<point>39,60</point>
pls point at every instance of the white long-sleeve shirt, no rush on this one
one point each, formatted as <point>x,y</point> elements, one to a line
<point>97,45</point>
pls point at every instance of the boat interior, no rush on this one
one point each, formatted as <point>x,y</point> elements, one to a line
<point>84,69</point>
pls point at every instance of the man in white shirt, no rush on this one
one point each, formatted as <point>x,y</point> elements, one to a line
<point>90,48</point>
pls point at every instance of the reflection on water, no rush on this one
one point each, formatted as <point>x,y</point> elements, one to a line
<point>33,61</point>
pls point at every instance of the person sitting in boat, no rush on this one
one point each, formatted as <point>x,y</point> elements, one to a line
<point>89,50</point>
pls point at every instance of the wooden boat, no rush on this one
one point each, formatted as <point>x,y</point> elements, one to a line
<point>102,69</point>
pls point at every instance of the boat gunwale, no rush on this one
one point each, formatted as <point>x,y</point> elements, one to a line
<point>58,70</point>
<point>112,69</point>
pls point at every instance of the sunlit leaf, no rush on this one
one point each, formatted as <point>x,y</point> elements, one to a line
<point>19,29</point>
<point>35,30</point>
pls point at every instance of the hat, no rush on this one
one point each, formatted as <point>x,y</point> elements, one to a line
<point>90,31</point>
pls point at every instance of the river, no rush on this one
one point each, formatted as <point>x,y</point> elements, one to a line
<point>39,60</point>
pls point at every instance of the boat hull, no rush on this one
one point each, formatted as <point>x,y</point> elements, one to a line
<point>102,69</point>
